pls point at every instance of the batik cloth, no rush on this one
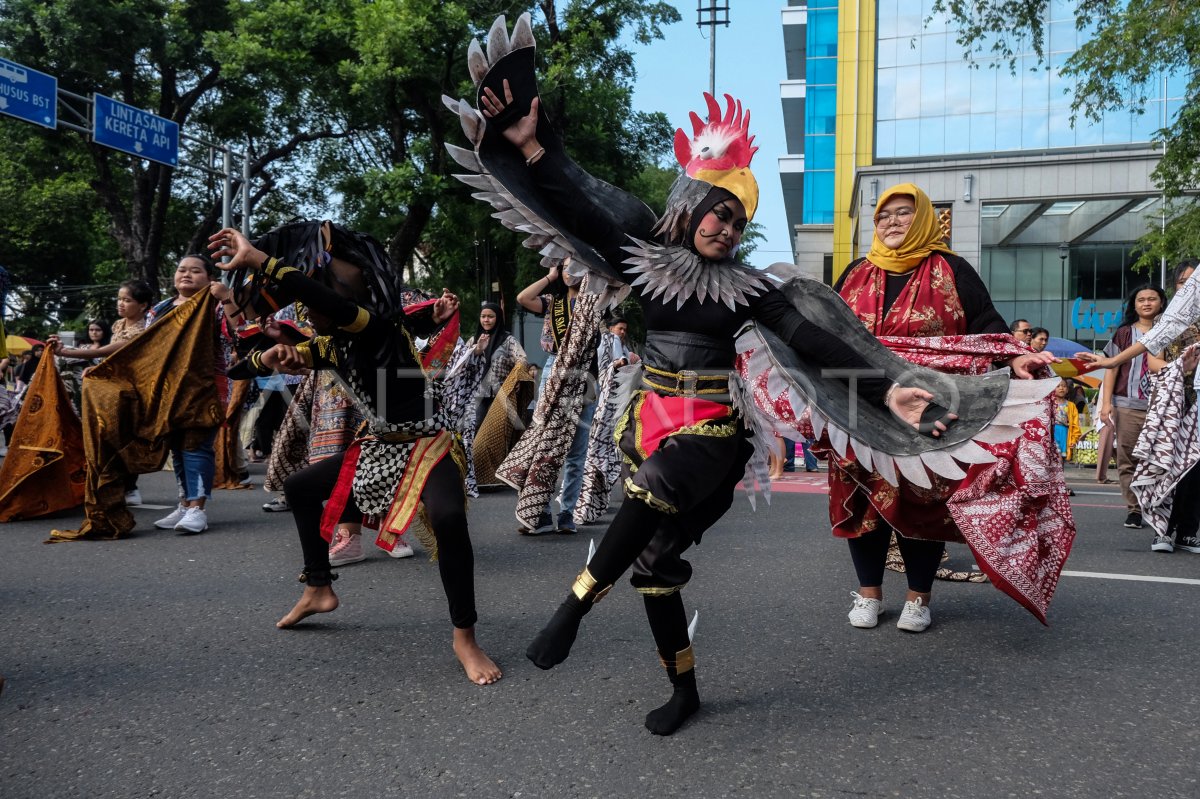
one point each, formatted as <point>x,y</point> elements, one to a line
<point>134,411</point>
<point>1168,446</point>
<point>602,466</point>
<point>503,424</point>
<point>533,465</point>
<point>45,469</point>
<point>228,473</point>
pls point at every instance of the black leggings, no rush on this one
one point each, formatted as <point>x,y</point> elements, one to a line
<point>921,558</point>
<point>445,505</point>
<point>1185,509</point>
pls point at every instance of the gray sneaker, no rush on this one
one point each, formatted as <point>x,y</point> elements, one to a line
<point>1190,544</point>
<point>1162,543</point>
<point>545,524</point>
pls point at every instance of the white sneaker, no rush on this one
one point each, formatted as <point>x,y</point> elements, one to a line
<point>346,549</point>
<point>401,550</point>
<point>194,520</point>
<point>915,618</point>
<point>866,611</point>
<point>169,521</point>
<point>133,497</point>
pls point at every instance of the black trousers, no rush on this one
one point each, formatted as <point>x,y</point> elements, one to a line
<point>1185,510</point>
<point>445,506</point>
<point>921,558</point>
<point>270,418</point>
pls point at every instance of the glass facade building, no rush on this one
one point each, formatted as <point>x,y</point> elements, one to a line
<point>931,102</point>
<point>820,111</point>
<point>1048,212</point>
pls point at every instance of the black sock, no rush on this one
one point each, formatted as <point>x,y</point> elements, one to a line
<point>552,645</point>
<point>684,701</point>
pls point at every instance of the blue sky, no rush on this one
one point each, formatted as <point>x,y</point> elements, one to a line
<point>672,75</point>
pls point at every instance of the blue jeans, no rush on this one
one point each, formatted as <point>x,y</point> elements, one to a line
<point>810,460</point>
<point>572,479</point>
<point>194,469</point>
<point>550,357</point>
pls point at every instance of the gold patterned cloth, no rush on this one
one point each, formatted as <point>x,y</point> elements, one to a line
<point>227,446</point>
<point>155,392</point>
<point>44,469</point>
<point>503,424</point>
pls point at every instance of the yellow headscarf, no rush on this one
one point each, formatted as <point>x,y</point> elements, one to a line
<point>924,235</point>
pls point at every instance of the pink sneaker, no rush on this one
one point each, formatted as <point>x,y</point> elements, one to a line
<point>346,549</point>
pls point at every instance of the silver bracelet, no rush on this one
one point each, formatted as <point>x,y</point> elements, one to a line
<point>887,398</point>
<point>536,155</point>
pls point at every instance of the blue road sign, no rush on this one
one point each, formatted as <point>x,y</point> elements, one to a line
<point>28,94</point>
<point>134,131</point>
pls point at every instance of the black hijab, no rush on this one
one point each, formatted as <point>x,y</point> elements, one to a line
<point>715,196</point>
<point>497,334</point>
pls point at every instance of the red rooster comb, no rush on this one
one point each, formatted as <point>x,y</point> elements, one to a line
<point>721,143</point>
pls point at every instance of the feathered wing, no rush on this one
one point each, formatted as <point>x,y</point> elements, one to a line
<point>500,177</point>
<point>991,408</point>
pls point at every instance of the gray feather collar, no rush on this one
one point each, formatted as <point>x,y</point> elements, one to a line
<point>675,272</point>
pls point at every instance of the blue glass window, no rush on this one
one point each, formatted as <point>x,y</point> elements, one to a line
<point>924,89</point>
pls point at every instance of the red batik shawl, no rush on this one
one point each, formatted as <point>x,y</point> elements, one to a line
<point>1013,513</point>
<point>927,306</point>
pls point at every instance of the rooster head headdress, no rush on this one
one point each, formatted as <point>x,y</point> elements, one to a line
<point>717,154</point>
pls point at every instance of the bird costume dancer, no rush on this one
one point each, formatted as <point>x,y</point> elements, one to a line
<point>410,461</point>
<point>686,437</point>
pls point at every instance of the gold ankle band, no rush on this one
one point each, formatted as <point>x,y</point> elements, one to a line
<point>585,588</point>
<point>685,660</point>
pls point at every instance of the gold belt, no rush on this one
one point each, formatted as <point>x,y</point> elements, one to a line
<point>688,383</point>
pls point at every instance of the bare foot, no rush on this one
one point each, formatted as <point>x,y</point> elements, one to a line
<point>314,600</point>
<point>480,668</point>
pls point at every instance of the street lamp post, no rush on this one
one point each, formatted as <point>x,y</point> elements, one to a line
<point>1064,252</point>
<point>717,14</point>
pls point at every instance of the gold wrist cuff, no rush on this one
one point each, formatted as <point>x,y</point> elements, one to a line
<point>685,661</point>
<point>304,349</point>
<point>276,269</point>
<point>585,588</point>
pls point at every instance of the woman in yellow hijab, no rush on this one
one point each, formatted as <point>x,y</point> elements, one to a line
<point>912,285</point>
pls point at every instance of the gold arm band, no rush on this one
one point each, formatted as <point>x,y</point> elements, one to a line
<point>276,270</point>
<point>685,661</point>
<point>585,588</point>
<point>360,322</point>
<point>304,349</point>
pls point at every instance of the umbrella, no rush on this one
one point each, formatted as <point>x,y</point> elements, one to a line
<point>1064,347</point>
<point>19,345</point>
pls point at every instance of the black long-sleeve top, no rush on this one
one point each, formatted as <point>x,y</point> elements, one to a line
<point>711,322</point>
<point>373,353</point>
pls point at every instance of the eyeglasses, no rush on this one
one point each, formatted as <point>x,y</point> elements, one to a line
<point>1025,331</point>
<point>901,215</point>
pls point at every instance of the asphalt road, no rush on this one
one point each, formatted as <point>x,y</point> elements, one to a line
<point>150,667</point>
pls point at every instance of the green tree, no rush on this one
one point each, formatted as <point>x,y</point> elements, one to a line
<point>157,55</point>
<point>1131,46</point>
